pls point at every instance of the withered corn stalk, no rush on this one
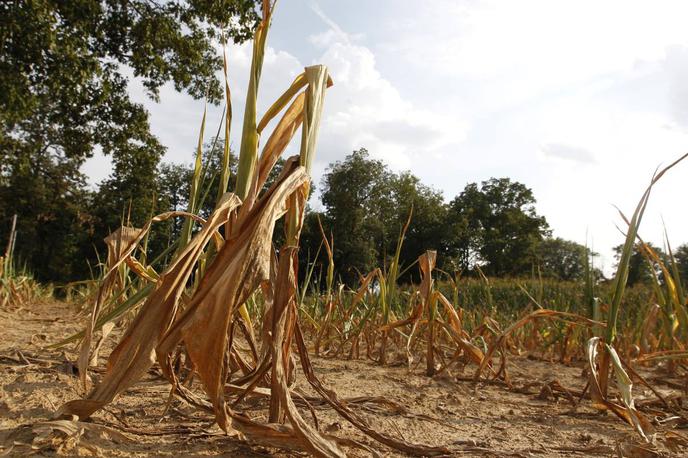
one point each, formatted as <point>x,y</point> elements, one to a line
<point>600,368</point>
<point>199,325</point>
<point>425,316</point>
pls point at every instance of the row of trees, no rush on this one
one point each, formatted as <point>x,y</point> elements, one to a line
<point>493,224</point>
<point>643,270</point>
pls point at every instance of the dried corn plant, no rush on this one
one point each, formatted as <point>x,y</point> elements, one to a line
<point>197,321</point>
<point>117,242</point>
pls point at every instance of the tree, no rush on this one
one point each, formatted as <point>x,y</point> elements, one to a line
<point>500,227</point>
<point>681,257</point>
<point>173,182</point>
<point>367,205</point>
<point>130,191</point>
<point>562,259</point>
<point>61,226</point>
<point>462,245</point>
<point>309,244</point>
<point>64,70</point>
<point>426,230</point>
<point>356,196</point>
<point>640,269</point>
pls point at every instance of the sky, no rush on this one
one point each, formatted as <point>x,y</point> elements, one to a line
<point>580,101</point>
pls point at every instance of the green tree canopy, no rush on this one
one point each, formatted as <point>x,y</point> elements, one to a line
<point>562,259</point>
<point>64,76</point>
<point>640,269</point>
<point>366,206</point>
<point>681,257</point>
<point>429,212</point>
<point>496,225</point>
<point>356,195</point>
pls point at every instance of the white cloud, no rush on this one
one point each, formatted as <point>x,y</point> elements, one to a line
<point>568,152</point>
<point>584,81</point>
<point>364,109</point>
<point>516,50</point>
<point>334,31</point>
<point>676,64</point>
<point>569,40</point>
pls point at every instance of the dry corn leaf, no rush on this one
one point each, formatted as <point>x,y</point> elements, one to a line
<point>134,354</point>
<point>124,253</point>
<point>627,412</point>
<point>239,268</point>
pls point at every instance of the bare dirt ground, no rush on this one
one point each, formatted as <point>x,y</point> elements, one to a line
<point>489,420</point>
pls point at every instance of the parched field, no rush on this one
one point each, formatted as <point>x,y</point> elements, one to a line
<point>535,417</point>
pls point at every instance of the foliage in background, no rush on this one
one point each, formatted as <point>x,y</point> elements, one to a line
<point>640,269</point>
<point>366,205</point>
<point>494,225</point>
<point>563,259</point>
<point>502,228</point>
<point>64,71</point>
